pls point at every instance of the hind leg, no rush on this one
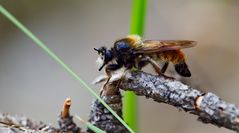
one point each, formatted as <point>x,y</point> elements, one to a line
<point>157,67</point>
<point>165,66</point>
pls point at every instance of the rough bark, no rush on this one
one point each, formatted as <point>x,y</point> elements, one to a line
<point>101,117</point>
<point>20,124</point>
<point>208,106</point>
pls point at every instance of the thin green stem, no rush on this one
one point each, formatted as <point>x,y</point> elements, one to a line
<point>58,60</point>
<point>137,27</point>
<point>90,126</point>
<point>138,17</point>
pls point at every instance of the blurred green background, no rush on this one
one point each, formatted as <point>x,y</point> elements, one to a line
<point>34,85</point>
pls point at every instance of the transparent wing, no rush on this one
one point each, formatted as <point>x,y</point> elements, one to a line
<point>151,46</point>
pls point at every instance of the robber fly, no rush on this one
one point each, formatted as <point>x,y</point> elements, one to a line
<point>133,52</point>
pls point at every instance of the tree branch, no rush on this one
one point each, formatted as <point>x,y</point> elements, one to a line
<point>21,124</point>
<point>208,106</point>
<point>101,117</point>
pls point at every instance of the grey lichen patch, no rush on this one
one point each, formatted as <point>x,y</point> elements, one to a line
<point>176,84</point>
<point>21,124</point>
<point>102,118</point>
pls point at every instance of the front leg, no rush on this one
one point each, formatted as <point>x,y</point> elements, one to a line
<point>108,70</point>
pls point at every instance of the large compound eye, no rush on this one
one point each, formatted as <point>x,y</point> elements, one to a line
<point>102,54</point>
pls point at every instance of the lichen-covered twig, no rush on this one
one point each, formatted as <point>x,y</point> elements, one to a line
<point>208,106</point>
<point>101,117</point>
<point>21,124</point>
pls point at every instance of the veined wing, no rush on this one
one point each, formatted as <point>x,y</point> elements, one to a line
<point>151,46</point>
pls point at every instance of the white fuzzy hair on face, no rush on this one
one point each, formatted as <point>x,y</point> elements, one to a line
<point>99,62</point>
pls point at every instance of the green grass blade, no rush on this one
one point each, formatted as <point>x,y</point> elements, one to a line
<point>90,126</point>
<point>137,27</point>
<point>58,60</point>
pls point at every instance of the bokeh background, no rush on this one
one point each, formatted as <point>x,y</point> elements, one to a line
<point>34,85</point>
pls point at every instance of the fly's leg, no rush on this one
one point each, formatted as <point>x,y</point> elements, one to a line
<point>123,75</point>
<point>154,64</point>
<point>157,67</point>
<point>143,62</point>
<point>165,66</point>
<point>109,68</point>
